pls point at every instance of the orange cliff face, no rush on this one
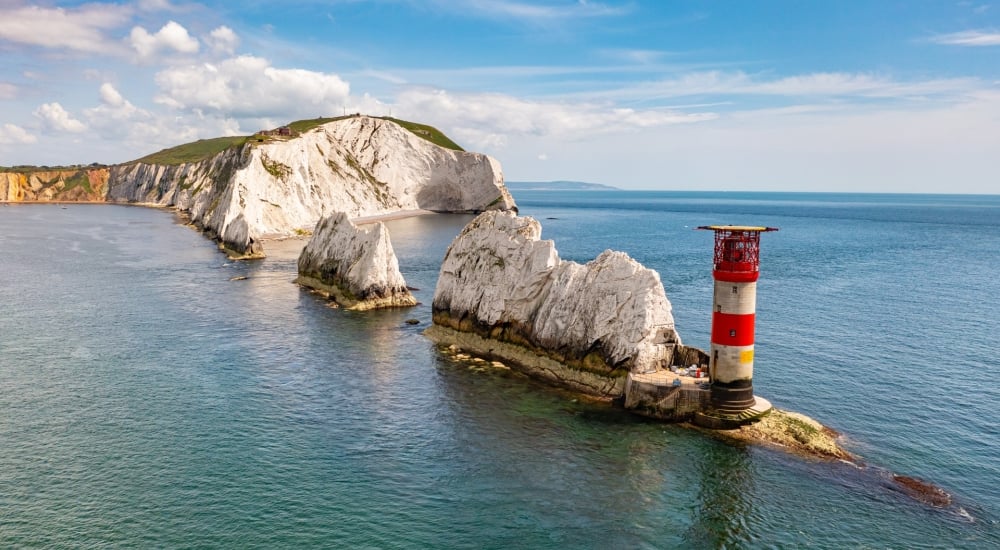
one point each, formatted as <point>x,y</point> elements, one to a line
<point>78,185</point>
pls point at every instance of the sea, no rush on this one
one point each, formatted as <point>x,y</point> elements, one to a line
<point>154,394</point>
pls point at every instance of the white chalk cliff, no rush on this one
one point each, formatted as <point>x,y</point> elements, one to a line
<point>504,292</point>
<point>355,266</point>
<point>359,165</point>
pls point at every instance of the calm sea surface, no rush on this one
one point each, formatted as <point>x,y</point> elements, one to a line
<point>148,400</point>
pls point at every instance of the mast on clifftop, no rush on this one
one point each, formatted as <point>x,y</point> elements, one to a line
<point>735,270</point>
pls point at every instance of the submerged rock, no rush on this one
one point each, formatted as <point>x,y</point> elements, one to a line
<point>923,491</point>
<point>505,293</point>
<point>354,266</point>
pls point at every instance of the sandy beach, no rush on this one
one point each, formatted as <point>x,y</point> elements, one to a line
<point>392,216</point>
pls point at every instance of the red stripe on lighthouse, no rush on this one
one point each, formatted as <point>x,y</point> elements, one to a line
<point>732,330</point>
<point>735,276</point>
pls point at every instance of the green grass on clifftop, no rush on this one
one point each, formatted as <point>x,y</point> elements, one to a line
<point>29,168</point>
<point>424,131</point>
<point>194,151</point>
<point>206,148</point>
<point>429,133</point>
<point>301,126</point>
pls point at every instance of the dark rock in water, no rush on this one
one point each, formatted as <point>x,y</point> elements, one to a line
<point>413,321</point>
<point>239,278</point>
<point>922,491</point>
<point>551,218</point>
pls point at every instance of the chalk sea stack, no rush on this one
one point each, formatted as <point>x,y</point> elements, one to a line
<point>504,292</point>
<point>354,266</point>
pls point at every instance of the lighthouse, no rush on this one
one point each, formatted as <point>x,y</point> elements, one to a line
<point>735,270</point>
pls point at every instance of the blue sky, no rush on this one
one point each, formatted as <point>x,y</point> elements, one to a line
<point>880,96</point>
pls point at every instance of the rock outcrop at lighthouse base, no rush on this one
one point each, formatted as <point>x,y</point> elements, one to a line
<point>274,186</point>
<point>504,292</point>
<point>355,266</point>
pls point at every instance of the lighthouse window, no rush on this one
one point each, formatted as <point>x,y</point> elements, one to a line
<point>736,290</point>
<point>732,333</point>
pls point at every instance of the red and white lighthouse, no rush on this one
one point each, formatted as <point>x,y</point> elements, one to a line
<point>736,268</point>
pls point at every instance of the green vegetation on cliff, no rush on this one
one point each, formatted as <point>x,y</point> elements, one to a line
<point>28,169</point>
<point>192,152</point>
<point>429,133</point>
<point>424,131</point>
<point>301,126</point>
<point>206,148</point>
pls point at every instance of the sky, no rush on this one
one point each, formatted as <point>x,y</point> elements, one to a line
<point>842,96</point>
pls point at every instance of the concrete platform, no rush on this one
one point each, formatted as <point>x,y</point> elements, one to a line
<point>666,395</point>
<point>672,396</point>
<point>664,377</point>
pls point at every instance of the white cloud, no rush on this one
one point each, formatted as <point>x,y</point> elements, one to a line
<point>485,120</point>
<point>840,86</point>
<point>56,119</point>
<point>248,86</point>
<point>7,90</point>
<point>115,113</point>
<point>12,133</point>
<point>635,56</point>
<point>155,5</point>
<point>529,11</point>
<point>171,37</point>
<point>969,38</point>
<point>223,40</point>
<point>128,131</point>
<point>110,96</point>
<point>942,147</point>
<point>81,29</point>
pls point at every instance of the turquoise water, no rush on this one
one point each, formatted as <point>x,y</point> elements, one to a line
<point>148,400</point>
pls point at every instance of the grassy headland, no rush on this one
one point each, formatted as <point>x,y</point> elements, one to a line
<point>424,131</point>
<point>205,148</point>
<point>192,152</point>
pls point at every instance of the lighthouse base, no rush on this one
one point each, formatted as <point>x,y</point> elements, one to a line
<point>732,398</point>
<point>716,419</point>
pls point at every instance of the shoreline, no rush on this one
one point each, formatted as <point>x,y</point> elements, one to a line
<point>399,215</point>
<point>6,202</point>
<point>361,220</point>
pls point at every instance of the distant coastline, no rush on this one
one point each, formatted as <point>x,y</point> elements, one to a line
<point>560,185</point>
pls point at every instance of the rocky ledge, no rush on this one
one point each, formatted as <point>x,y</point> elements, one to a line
<point>793,432</point>
<point>354,266</point>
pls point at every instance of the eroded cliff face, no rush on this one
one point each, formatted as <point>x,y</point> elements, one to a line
<point>83,184</point>
<point>206,191</point>
<point>354,266</point>
<point>361,166</point>
<point>504,292</point>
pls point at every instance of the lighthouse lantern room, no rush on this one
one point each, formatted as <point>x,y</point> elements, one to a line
<point>735,270</point>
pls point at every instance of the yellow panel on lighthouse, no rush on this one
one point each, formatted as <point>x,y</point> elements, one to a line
<point>746,356</point>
